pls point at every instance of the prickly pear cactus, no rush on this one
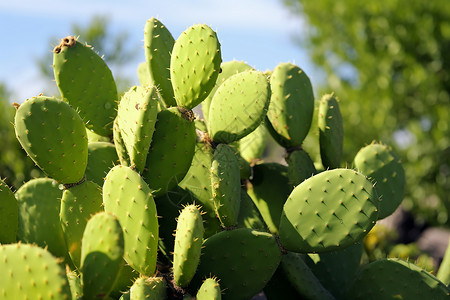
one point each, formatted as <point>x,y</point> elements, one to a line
<point>86,83</point>
<point>209,290</point>
<point>291,104</point>
<point>101,255</point>
<point>381,165</point>
<point>54,137</point>
<point>188,244</point>
<point>158,45</point>
<point>126,195</point>
<point>30,272</point>
<point>148,288</point>
<point>136,120</point>
<point>225,185</point>
<point>340,207</point>
<point>238,106</point>
<point>195,65</point>
<point>331,132</point>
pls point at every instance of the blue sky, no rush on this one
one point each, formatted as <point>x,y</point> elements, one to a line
<point>259,32</point>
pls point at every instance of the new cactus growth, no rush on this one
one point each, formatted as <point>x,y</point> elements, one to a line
<point>123,177</point>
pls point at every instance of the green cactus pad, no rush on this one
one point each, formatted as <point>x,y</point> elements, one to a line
<point>86,83</point>
<point>127,275</point>
<point>9,214</point>
<point>121,149</point>
<point>228,69</point>
<point>291,104</point>
<point>195,65</point>
<point>188,244</point>
<point>126,195</point>
<point>339,206</point>
<point>153,288</point>
<point>238,106</point>
<point>158,45</point>
<point>101,255</point>
<point>301,277</point>
<point>336,269</point>
<point>396,279</point>
<point>136,120</point>
<point>54,137</point>
<point>300,167</point>
<point>30,272</point>
<point>209,290</point>
<point>252,146</point>
<point>171,150</point>
<point>381,165</point>
<point>39,203</point>
<point>249,216</point>
<point>243,260</point>
<point>269,190</point>
<point>102,156</point>
<point>331,131</point>
<point>226,184</point>
<point>78,205</point>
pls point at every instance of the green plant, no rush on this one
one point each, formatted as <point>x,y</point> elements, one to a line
<point>258,222</point>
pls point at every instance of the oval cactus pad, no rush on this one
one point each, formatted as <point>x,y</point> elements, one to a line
<point>86,82</point>
<point>238,106</point>
<point>331,210</point>
<point>195,65</point>
<point>54,136</point>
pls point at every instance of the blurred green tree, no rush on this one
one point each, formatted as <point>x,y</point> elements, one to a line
<point>389,63</point>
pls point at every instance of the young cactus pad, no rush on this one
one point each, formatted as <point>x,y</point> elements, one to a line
<point>101,255</point>
<point>188,244</point>
<point>225,184</point>
<point>209,290</point>
<point>30,272</point>
<point>382,166</point>
<point>291,104</point>
<point>331,210</point>
<point>152,288</point>
<point>54,137</point>
<point>158,45</point>
<point>331,131</point>
<point>126,195</point>
<point>86,83</point>
<point>195,65</point>
<point>238,106</point>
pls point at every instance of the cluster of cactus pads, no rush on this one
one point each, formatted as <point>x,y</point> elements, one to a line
<point>146,200</point>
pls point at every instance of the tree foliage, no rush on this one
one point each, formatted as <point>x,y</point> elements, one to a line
<point>389,63</point>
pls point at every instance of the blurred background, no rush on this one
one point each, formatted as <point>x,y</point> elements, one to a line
<point>388,62</point>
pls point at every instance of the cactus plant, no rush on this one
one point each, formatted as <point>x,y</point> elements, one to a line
<point>120,172</point>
